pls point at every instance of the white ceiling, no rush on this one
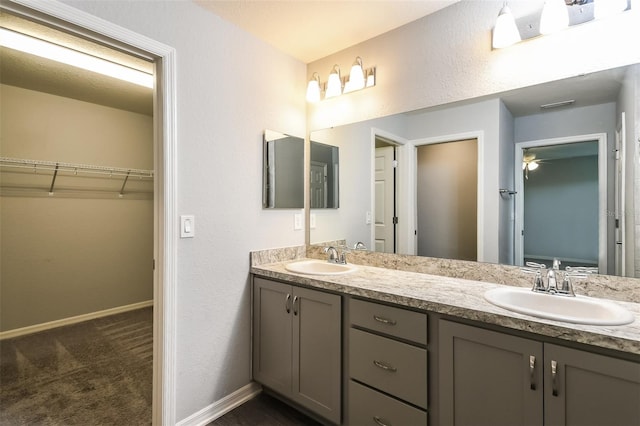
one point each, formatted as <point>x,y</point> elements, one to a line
<point>312,29</point>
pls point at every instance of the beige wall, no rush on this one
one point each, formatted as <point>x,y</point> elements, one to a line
<point>66,255</point>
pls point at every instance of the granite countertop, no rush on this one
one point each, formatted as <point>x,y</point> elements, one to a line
<point>460,298</point>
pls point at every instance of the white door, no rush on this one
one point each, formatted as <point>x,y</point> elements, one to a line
<point>384,200</point>
<point>620,201</point>
<point>318,185</point>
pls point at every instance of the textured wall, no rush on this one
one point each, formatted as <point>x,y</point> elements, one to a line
<point>230,88</point>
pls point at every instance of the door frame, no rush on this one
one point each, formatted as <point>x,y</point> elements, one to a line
<point>620,200</point>
<point>601,138</point>
<point>69,19</point>
<point>478,135</point>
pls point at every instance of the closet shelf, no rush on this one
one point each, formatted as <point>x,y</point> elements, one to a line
<point>73,169</point>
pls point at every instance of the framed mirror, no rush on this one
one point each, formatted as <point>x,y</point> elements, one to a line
<point>283,171</point>
<point>324,184</point>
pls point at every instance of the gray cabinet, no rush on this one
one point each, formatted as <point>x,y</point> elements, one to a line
<point>492,378</point>
<point>296,345</point>
<point>387,364</point>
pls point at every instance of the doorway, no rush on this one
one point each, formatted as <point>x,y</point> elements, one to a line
<point>561,201</point>
<point>68,19</point>
<point>447,199</point>
<point>385,195</point>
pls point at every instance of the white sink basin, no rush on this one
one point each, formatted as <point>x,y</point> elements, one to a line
<point>577,310</point>
<point>319,267</point>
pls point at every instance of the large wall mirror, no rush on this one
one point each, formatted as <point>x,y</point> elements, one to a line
<point>486,179</point>
<point>283,171</point>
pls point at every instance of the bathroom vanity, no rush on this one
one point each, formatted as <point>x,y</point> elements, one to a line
<point>390,347</point>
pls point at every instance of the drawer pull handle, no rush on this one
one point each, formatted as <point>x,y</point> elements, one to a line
<point>380,422</point>
<point>384,366</point>
<point>384,320</point>
<point>296,305</point>
<point>554,377</point>
<point>532,372</point>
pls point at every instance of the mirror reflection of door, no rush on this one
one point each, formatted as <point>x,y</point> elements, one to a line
<point>385,195</point>
<point>318,185</point>
<point>561,204</point>
<point>447,182</point>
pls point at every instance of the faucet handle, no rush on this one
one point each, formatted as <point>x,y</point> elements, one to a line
<point>536,265</point>
<point>538,283</point>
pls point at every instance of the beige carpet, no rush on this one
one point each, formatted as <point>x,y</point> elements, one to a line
<point>97,372</point>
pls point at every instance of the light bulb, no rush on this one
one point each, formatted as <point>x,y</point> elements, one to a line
<point>356,77</point>
<point>604,9</point>
<point>555,17</point>
<point>505,33</point>
<point>334,84</point>
<point>313,88</point>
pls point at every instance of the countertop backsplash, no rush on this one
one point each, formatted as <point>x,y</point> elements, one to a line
<point>604,286</point>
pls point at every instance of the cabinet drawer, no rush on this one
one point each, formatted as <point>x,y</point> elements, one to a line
<point>367,405</point>
<point>396,322</point>
<point>391,366</point>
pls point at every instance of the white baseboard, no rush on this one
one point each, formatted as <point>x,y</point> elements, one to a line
<point>223,406</point>
<point>73,320</point>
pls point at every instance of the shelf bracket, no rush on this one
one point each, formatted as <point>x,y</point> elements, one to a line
<point>126,178</point>
<point>53,180</point>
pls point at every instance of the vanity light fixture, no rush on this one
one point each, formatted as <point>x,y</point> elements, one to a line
<point>505,33</point>
<point>359,78</point>
<point>356,77</point>
<point>334,84</point>
<point>313,88</point>
<point>555,17</point>
<point>44,49</point>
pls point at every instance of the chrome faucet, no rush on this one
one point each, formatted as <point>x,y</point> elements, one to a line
<point>335,256</point>
<point>359,246</point>
<point>554,276</point>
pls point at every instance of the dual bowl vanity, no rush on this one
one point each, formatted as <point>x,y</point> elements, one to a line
<point>359,344</point>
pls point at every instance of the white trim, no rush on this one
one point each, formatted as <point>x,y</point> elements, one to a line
<point>478,135</point>
<point>73,320</point>
<point>222,406</point>
<point>165,197</point>
<point>602,192</point>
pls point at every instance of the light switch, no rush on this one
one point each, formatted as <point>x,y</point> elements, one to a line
<point>297,221</point>
<point>187,226</point>
<point>367,219</point>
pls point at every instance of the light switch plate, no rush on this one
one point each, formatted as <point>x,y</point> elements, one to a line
<point>187,226</point>
<point>312,221</point>
<point>297,221</point>
<point>367,219</point>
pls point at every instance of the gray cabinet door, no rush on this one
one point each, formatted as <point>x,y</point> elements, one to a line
<point>590,389</point>
<point>297,345</point>
<point>272,334</point>
<point>317,340</point>
<point>488,378</point>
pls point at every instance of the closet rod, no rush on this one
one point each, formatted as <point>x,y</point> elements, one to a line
<point>40,165</point>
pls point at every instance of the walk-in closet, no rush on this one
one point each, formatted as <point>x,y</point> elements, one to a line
<point>76,234</point>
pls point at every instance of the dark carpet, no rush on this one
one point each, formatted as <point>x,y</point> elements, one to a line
<point>98,372</point>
